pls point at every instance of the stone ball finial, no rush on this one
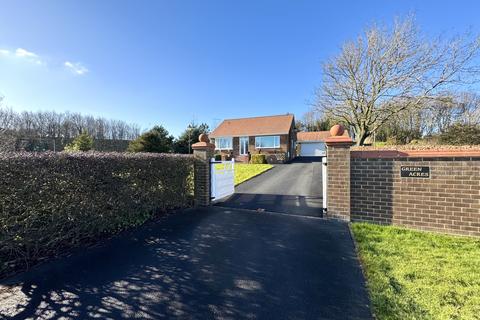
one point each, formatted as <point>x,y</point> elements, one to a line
<point>203,138</point>
<point>337,130</point>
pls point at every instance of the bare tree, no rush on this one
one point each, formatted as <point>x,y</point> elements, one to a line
<point>440,114</point>
<point>385,72</point>
<point>469,105</point>
<point>313,121</point>
<point>7,118</point>
<point>41,124</point>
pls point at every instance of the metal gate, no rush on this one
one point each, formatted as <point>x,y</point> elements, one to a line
<point>222,178</point>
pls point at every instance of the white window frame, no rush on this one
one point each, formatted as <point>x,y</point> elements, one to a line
<point>225,138</point>
<point>275,146</point>
<point>240,145</point>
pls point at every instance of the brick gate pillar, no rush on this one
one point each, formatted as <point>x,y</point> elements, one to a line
<point>202,152</point>
<point>338,173</point>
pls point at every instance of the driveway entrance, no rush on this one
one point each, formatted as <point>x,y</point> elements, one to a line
<point>294,188</point>
<point>208,263</point>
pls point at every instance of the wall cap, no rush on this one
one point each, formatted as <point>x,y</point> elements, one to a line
<point>339,141</point>
<point>203,144</point>
<point>414,153</point>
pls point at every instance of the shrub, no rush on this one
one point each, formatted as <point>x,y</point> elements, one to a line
<point>50,202</point>
<point>83,142</point>
<point>258,159</point>
<point>218,157</point>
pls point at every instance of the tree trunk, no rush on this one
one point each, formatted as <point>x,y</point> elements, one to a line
<point>361,135</point>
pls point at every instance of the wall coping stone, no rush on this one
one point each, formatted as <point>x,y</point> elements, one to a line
<point>203,143</point>
<point>337,139</point>
<point>415,154</point>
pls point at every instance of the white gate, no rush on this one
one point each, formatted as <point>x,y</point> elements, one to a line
<point>222,178</point>
<point>324,183</point>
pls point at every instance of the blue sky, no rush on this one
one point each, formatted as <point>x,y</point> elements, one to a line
<point>168,62</point>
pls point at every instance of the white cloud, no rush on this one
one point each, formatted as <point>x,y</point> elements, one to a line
<point>22,54</point>
<point>25,53</point>
<point>76,67</point>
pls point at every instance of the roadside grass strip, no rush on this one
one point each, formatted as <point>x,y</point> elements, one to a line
<point>419,275</point>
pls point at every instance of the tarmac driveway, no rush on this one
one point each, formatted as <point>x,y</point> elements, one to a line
<point>210,263</point>
<point>294,188</point>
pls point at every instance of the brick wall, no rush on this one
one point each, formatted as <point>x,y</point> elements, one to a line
<point>448,201</point>
<point>274,155</point>
<point>338,180</point>
<point>202,154</point>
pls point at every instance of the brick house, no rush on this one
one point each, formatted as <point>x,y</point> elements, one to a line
<point>273,136</point>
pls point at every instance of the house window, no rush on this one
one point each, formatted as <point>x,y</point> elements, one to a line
<point>223,143</point>
<point>267,142</point>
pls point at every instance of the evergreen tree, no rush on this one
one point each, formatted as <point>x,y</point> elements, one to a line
<point>83,142</point>
<point>156,140</point>
<point>189,136</point>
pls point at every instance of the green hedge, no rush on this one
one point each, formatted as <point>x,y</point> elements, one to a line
<point>50,202</point>
<point>258,159</point>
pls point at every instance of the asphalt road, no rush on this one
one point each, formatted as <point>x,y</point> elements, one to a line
<point>294,188</point>
<point>210,263</point>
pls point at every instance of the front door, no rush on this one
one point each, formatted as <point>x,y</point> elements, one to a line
<point>243,145</point>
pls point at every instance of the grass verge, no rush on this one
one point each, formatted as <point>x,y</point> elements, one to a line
<point>419,275</point>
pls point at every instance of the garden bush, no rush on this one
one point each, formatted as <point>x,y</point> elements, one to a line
<point>258,159</point>
<point>50,202</point>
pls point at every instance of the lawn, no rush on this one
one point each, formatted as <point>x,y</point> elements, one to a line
<point>245,171</point>
<point>419,275</point>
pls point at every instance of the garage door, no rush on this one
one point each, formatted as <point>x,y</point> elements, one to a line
<point>312,149</point>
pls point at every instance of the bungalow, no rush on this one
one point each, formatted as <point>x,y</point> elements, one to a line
<point>273,136</point>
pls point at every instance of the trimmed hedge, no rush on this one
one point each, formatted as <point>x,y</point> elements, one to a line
<point>50,202</point>
<point>258,159</point>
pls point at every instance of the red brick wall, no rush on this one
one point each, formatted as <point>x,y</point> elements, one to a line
<point>202,174</point>
<point>277,155</point>
<point>338,180</point>
<point>448,201</point>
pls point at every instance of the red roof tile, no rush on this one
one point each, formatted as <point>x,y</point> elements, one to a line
<point>257,126</point>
